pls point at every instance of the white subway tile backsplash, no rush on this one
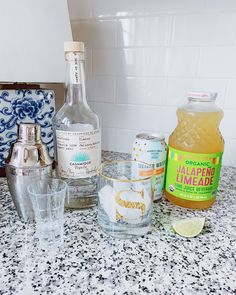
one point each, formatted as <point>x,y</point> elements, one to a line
<point>218,62</point>
<point>123,8</point>
<point>173,6</point>
<point>132,90</point>
<point>125,139</point>
<point>157,119</point>
<point>182,61</point>
<point>117,61</point>
<point>80,9</point>
<point>204,29</point>
<point>221,5</point>
<point>96,33</point>
<point>101,89</point>
<point>212,85</point>
<point>133,31</point>
<point>228,124</point>
<point>160,119</point>
<point>143,56</point>
<point>230,100</point>
<point>129,62</point>
<point>228,157</point>
<point>104,60</point>
<point>119,116</point>
<point>177,90</point>
<point>153,61</point>
<point>117,8</point>
<point>109,139</point>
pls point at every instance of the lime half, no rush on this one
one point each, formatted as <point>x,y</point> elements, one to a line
<point>189,227</point>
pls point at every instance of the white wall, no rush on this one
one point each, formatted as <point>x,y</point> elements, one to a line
<point>144,55</point>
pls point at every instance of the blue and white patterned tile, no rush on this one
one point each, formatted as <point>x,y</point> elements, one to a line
<point>28,106</point>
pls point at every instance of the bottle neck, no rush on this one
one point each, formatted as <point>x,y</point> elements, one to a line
<point>201,105</point>
<point>201,102</point>
<point>75,79</point>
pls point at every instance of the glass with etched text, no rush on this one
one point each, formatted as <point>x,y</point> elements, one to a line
<point>125,198</point>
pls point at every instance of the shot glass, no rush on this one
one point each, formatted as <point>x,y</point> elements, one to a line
<point>48,197</point>
<point>125,198</point>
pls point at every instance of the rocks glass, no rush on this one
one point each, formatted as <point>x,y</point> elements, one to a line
<point>125,198</point>
<point>47,197</point>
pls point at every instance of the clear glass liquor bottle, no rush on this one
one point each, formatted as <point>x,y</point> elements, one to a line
<point>77,134</point>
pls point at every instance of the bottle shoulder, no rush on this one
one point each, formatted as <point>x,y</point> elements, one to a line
<point>198,130</point>
<point>69,115</point>
<point>202,107</point>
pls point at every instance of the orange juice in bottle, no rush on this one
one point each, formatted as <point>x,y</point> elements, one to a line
<point>195,153</point>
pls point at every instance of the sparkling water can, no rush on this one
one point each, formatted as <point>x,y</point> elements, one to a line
<point>152,149</point>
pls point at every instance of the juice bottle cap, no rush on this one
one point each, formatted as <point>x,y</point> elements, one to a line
<point>202,95</point>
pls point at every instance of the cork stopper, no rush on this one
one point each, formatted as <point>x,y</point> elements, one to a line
<point>73,46</point>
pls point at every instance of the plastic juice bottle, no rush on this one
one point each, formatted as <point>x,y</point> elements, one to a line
<point>195,153</point>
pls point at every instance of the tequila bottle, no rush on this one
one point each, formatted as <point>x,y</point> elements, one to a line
<point>77,134</point>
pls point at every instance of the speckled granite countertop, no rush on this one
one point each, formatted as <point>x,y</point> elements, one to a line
<point>94,263</point>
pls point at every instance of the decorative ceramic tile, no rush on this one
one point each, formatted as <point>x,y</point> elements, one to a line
<point>29,106</point>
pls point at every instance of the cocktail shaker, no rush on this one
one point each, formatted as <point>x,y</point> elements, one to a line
<point>28,161</point>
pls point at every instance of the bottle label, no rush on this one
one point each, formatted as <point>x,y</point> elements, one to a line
<point>78,153</point>
<point>192,176</point>
<point>75,71</point>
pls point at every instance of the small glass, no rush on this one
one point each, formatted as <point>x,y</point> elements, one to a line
<point>125,198</point>
<point>48,197</point>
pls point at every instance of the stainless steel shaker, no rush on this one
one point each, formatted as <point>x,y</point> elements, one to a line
<point>28,161</point>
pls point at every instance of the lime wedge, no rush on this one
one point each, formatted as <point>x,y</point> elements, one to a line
<point>189,227</point>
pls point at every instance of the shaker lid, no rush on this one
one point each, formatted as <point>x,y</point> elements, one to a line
<point>28,150</point>
<point>29,132</point>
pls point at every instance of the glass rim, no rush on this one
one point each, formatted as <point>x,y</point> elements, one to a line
<point>65,185</point>
<point>99,171</point>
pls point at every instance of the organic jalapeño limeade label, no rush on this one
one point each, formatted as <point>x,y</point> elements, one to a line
<point>193,176</point>
<point>195,152</point>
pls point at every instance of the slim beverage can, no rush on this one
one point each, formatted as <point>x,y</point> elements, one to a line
<point>152,149</point>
